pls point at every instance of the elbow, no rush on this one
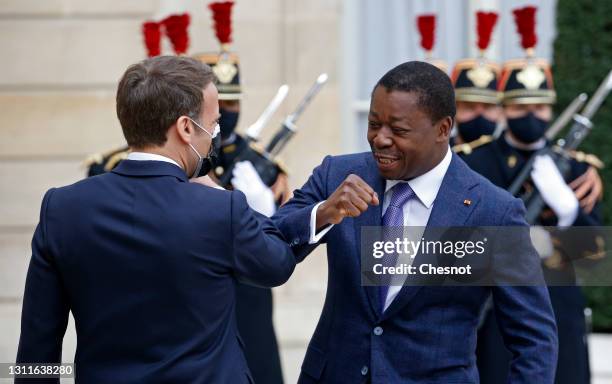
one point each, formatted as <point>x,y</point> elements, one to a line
<point>285,269</point>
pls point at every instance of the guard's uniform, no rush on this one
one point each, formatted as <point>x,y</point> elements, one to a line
<point>100,163</point>
<point>254,306</point>
<point>499,162</point>
<point>529,81</point>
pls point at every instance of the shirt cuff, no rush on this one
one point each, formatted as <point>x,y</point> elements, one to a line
<point>314,236</point>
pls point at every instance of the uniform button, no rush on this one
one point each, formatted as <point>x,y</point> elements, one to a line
<point>378,331</point>
<point>364,370</point>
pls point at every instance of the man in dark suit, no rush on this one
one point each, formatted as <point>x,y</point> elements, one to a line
<point>145,260</point>
<point>411,334</point>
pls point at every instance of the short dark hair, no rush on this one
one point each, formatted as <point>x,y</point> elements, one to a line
<point>154,93</point>
<point>434,88</point>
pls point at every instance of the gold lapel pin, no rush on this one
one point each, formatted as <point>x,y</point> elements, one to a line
<point>467,202</point>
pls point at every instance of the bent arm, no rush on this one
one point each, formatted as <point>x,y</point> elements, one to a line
<point>260,254</point>
<point>294,217</point>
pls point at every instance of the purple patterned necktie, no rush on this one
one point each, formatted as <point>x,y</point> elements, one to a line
<point>393,217</point>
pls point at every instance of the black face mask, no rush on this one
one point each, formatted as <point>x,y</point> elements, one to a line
<point>228,122</point>
<point>212,160</point>
<point>528,128</point>
<point>472,130</point>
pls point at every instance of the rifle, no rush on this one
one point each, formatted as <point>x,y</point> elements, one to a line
<point>581,127</point>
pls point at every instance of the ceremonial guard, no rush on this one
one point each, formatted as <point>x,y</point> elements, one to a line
<point>254,306</point>
<point>528,96</point>
<point>475,81</point>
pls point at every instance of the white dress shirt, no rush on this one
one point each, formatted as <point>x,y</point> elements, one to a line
<point>145,156</point>
<point>416,211</point>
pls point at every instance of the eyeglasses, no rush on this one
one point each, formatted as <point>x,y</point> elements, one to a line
<point>216,128</point>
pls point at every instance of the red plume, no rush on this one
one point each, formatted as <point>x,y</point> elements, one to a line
<point>427,28</point>
<point>485,22</point>
<point>525,25</point>
<point>222,16</point>
<point>176,29</point>
<point>152,37</point>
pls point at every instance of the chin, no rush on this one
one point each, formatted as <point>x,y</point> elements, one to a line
<point>389,174</point>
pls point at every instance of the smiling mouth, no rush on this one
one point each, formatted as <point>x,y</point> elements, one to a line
<point>385,160</point>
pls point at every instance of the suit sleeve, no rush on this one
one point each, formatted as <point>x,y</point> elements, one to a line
<point>293,218</point>
<point>261,256</point>
<point>44,315</point>
<point>525,315</point>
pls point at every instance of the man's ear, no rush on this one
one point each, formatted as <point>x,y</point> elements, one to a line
<point>183,129</point>
<point>445,125</point>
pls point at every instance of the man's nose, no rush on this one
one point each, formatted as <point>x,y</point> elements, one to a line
<point>382,139</point>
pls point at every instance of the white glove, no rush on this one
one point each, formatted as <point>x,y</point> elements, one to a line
<point>541,241</point>
<point>259,195</point>
<point>554,190</point>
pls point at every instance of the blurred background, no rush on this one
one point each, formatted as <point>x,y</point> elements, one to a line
<point>62,59</point>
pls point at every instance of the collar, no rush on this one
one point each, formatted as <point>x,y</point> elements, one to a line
<point>149,168</point>
<point>144,156</point>
<point>427,185</point>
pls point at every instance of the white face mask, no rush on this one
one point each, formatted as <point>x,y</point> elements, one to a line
<point>200,170</point>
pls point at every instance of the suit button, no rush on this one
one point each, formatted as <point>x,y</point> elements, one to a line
<point>295,242</point>
<point>364,370</point>
<point>378,331</point>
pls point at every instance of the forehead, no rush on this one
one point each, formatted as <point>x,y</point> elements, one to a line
<point>210,90</point>
<point>211,102</point>
<point>383,97</point>
<point>398,104</point>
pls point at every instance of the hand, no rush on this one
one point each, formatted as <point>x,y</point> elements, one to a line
<point>207,181</point>
<point>555,192</point>
<point>350,199</point>
<point>259,196</point>
<point>588,188</point>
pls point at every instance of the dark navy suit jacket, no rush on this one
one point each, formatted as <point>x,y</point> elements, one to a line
<point>147,263</point>
<point>428,334</point>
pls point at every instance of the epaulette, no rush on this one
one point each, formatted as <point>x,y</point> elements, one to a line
<point>582,157</point>
<point>115,159</point>
<point>279,163</point>
<point>98,158</point>
<point>467,148</point>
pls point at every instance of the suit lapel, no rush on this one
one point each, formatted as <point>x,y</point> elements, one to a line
<point>450,209</point>
<point>372,217</point>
